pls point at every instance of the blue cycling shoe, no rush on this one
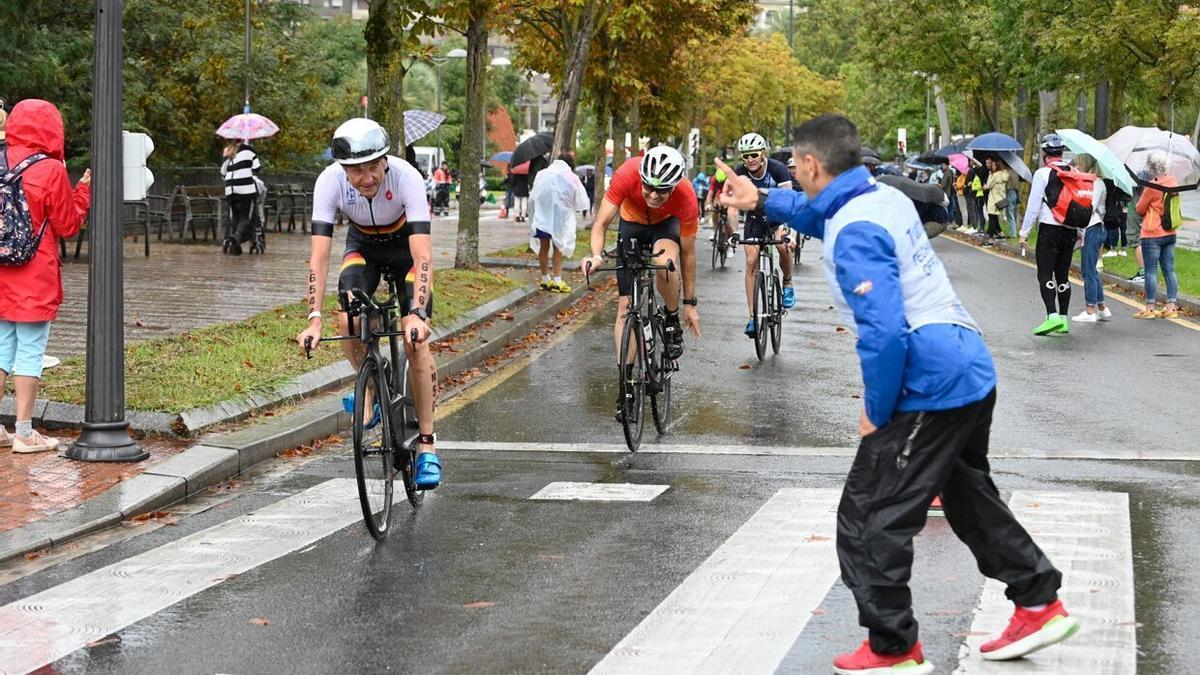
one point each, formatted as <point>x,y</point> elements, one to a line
<point>429,471</point>
<point>750,329</point>
<point>789,297</point>
<point>348,406</point>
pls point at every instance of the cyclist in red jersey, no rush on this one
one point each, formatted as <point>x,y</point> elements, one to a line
<point>658,209</point>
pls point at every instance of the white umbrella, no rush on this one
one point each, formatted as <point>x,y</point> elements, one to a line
<point>1133,145</point>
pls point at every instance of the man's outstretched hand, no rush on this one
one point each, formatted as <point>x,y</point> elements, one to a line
<point>738,192</point>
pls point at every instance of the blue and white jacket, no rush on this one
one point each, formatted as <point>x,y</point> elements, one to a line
<point>919,348</point>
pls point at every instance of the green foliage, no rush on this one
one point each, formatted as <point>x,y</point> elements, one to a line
<point>185,73</point>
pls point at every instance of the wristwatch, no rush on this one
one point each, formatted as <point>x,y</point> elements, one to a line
<point>762,200</point>
<point>689,301</point>
<point>420,313</point>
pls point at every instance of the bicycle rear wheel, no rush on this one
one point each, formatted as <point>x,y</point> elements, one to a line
<point>373,449</point>
<point>776,313</point>
<point>716,246</point>
<point>633,388</point>
<point>660,370</point>
<point>762,314</point>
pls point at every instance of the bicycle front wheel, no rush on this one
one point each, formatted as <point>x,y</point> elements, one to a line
<point>776,313</point>
<point>373,445</point>
<point>716,246</point>
<point>633,388</point>
<point>661,369</point>
<point>762,314</point>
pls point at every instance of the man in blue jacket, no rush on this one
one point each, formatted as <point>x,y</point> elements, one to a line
<point>930,387</point>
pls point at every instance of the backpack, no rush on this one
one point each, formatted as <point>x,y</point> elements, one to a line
<point>1172,215</point>
<point>18,242</point>
<point>1069,196</point>
<point>1115,203</point>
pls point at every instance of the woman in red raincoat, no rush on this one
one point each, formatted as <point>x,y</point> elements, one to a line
<point>31,293</point>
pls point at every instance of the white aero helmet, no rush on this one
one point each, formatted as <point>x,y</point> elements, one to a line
<point>752,142</point>
<point>359,140</point>
<point>661,167</point>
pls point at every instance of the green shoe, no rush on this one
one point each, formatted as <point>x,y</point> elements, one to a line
<point>1052,323</point>
<point>1063,326</point>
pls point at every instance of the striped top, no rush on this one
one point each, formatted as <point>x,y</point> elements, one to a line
<point>239,172</point>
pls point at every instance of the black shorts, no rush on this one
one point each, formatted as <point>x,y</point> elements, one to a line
<point>362,268</point>
<point>646,236</point>
<point>757,227</point>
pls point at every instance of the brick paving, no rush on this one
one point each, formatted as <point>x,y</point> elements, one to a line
<point>41,484</point>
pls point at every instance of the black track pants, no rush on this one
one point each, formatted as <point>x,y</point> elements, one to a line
<point>896,473</point>
<point>1055,246</point>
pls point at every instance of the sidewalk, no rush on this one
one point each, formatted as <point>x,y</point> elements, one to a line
<point>46,500</point>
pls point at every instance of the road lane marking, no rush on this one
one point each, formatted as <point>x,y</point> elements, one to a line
<point>47,626</point>
<point>599,492</point>
<point>1087,536</point>
<point>1091,453</point>
<point>742,608</point>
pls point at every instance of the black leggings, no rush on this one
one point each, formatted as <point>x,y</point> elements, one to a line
<point>993,228</point>
<point>1055,245</point>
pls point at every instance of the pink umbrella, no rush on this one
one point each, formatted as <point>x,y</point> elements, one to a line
<point>247,126</point>
<point>960,163</point>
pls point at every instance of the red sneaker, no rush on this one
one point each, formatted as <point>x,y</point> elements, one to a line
<point>1029,631</point>
<point>866,662</point>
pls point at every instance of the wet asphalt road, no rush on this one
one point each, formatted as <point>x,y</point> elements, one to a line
<point>569,579</point>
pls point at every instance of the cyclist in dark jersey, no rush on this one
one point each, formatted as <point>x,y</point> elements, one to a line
<point>765,173</point>
<point>384,199</point>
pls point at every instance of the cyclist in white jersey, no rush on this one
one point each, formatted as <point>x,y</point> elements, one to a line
<point>384,199</point>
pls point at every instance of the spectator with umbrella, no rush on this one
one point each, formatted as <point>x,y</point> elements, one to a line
<point>1158,239</point>
<point>519,180</point>
<point>1056,241</point>
<point>239,170</point>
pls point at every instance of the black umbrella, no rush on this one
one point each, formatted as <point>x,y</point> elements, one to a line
<point>954,148</point>
<point>534,146</point>
<point>929,200</point>
<point>782,155</point>
<point>870,157</point>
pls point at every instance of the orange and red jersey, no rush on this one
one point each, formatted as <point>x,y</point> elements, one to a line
<point>625,193</point>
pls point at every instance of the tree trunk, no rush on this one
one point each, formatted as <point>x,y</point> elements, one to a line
<point>466,254</point>
<point>1163,118</point>
<point>1024,122</point>
<point>942,115</point>
<point>1100,128</point>
<point>618,139</point>
<point>568,102</point>
<point>601,159</point>
<point>635,128</point>
<point>385,86</point>
<point>1196,131</point>
<point>1117,111</point>
<point>1047,111</point>
<point>1081,112</point>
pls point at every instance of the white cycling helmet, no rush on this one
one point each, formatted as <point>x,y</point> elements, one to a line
<point>359,140</point>
<point>752,142</point>
<point>661,167</point>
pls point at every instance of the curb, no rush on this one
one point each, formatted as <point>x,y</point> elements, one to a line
<point>224,456</point>
<point>1134,291</point>
<point>488,261</point>
<point>189,423</point>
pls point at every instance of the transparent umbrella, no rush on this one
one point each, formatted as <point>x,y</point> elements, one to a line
<point>1134,145</point>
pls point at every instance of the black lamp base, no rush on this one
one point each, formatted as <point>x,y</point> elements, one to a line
<point>106,442</point>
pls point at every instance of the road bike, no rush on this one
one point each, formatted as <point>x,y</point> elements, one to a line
<point>385,441</point>
<point>643,346</point>
<point>720,242</point>
<point>768,308</point>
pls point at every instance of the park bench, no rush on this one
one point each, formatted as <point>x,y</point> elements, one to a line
<point>136,219</point>
<point>199,206</point>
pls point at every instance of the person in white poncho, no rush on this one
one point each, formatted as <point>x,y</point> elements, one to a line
<point>555,200</point>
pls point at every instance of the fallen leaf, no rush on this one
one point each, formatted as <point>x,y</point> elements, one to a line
<point>840,329</point>
<point>247,363</point>
<point>111,639</point>
<point>817,537</point>
<point>504,316</point>
<point>153,515</point>
<point>259,621</point>
<point>33,555</point>
<point>34,494</point>
<point>818,612</point>
<point>479,604</point>
<point>855,395</point>
<point>744,366</point>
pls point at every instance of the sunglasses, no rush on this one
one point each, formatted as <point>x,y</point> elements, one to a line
<point>658,190</point>
<point>752,155</point>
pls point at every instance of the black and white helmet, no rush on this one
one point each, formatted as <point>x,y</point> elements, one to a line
<point>359,140</point>
<point>752,142</point>
<point>661,167</point>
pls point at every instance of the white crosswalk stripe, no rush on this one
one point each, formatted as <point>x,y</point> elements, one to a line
<point>599,492</point>
<point>1087,536</point>
<point>47,626</point>
<point>742,609</point>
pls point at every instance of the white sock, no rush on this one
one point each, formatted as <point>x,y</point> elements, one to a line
<point>1036,608</point>
<point>545,277</point>
<point>25,428</point>
<point>558,279</point>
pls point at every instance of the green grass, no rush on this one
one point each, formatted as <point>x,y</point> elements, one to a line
<point>223,361</point>
<point>1187,267</point>
<point>583,238</point>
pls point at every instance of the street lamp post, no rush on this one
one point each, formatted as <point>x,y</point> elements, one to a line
<point>105,432</point>
<point>246,104</point>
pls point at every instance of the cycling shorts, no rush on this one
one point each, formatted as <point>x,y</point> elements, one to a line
<point>647,236</point>
<point>364,264</point>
